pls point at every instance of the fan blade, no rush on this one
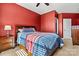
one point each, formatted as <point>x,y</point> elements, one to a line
<point>46,4</point>
<point>37,4</point>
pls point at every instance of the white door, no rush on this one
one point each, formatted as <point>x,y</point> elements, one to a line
<point>67,28</point>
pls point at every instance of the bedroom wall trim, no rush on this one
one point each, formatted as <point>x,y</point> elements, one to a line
<point>60,25</point>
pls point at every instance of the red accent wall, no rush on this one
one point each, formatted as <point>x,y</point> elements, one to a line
<point>73,16</point>
<point>13,14</point>
<point>48,22</point>
<point>75,21</point>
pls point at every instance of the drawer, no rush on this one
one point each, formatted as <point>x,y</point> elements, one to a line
<point>5,46</point>
<point>5,41</point>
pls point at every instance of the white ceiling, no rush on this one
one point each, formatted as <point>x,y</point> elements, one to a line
<point>59,7</point>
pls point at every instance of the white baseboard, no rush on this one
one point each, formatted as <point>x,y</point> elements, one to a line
<point>67,38</point>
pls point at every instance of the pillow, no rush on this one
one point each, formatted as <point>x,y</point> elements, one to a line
<point>28,30</point>
<point>20,30</point>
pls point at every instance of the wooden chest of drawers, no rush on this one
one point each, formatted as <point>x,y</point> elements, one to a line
<point>6,43</point>
<point>75,36</point>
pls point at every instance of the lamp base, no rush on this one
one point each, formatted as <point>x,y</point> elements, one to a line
<point>8,34</point>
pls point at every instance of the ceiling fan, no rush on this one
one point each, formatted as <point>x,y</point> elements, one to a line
<point>47,4</point>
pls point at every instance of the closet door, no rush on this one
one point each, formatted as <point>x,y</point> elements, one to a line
<point>67,28</point>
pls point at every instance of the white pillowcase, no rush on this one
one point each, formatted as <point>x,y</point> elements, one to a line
<point>20,30</point>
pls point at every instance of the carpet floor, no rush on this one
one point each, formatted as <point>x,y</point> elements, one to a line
<point>67,50</point>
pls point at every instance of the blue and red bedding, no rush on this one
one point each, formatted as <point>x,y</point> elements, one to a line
<point>39,43</point>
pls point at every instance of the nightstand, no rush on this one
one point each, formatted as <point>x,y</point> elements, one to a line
<point>6,42</point>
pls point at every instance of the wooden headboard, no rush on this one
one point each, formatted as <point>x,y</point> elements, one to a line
<point>18,27</point>
<point>21,26</point>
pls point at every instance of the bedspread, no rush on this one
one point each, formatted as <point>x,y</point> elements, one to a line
<point>39,43</point>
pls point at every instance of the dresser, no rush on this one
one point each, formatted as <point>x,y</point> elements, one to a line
<point>6,43</point>
<point>75,36</point>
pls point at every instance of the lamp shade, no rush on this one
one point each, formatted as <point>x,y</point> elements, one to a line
<point>7,27</point>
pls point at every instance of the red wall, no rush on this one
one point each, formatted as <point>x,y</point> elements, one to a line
<point>48,22</point>
<point>75,21</point>
<point>14,14</point>
<point>73,16</point>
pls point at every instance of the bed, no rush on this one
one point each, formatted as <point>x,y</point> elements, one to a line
<point>38,43</point>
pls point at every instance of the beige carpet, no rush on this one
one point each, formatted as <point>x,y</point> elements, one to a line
<point>10,52</point>
<point>67,50</point>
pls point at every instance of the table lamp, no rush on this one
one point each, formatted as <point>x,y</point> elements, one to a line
<point>7,28</point>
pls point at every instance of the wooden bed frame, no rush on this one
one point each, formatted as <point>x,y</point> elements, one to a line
<point>21,26</point>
